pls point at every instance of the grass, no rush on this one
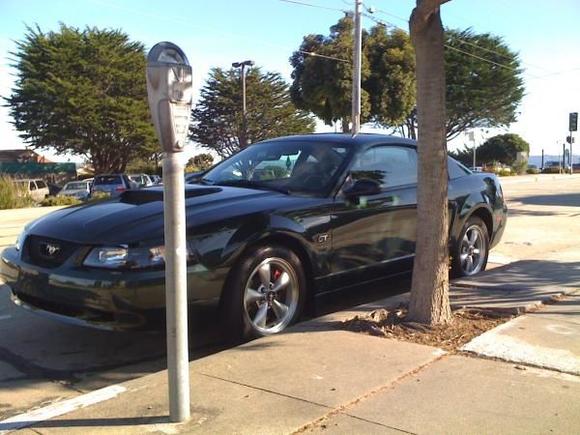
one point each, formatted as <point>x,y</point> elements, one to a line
<point>59,200</point>
<point>12,195</point>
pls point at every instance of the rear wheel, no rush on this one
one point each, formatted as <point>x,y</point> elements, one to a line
<point>470,252</point>
<point>265,293</point>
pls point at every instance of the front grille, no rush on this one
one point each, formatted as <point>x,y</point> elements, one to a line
<point>46,252</point>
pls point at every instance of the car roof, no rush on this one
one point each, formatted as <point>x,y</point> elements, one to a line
<point>361,139</point>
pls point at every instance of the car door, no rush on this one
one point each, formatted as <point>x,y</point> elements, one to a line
<point>374,236</point>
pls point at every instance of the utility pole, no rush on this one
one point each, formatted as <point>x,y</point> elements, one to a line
<point>356,68</point>
<point>471,136</point>
<point>542,167</point>
<point>244,135</point>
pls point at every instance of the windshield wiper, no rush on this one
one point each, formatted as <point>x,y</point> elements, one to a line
<point>253,185</point>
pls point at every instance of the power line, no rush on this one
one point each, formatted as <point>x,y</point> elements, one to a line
<point>463,41</point>
<point>385,23</point>
<point>312,5</point>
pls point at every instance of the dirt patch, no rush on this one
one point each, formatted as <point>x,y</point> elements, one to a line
<point>465,325</point>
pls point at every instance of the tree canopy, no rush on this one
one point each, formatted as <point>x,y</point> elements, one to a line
<point>199,162</point>
<point>217,117</point>
<point>322,83</point>
<point>503,148</point>
<point>83,92</point>
<point>479,93</point>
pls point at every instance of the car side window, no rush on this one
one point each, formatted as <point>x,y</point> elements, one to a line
<point>40,184</point>
<point>32,186</point>
<point>390,166</point>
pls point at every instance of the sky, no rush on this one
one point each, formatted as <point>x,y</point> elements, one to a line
<point>215,33</point>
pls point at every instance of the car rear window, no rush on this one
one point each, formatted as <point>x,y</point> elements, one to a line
<point>108,179</point>
<point>41,184</point>
<point>79,185</point>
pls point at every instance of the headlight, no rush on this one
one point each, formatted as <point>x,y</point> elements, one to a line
<point>123,257</point>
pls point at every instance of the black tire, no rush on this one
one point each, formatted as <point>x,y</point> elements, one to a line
<point>237,316</point>
<point>459,263</point>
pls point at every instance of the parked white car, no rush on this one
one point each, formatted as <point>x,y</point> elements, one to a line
<point>36,188</point>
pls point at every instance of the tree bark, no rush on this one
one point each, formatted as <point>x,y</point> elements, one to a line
<point>429,303</point>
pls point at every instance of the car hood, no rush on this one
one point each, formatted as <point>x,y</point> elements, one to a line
<point>138,215</point>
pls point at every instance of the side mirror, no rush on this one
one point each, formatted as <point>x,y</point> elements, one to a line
<point>364,187</point>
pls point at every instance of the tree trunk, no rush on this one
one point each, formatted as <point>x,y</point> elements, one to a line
<point>345,126</point>
<point>429,302</point>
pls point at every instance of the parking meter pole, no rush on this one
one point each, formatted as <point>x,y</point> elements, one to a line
<point>169,92</point>
<point>176,287</point>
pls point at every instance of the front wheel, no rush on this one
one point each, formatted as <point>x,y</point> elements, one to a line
<point>469,255</point>
<point>265,293</point>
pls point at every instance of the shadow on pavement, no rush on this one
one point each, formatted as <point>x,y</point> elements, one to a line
<point>565,199</point>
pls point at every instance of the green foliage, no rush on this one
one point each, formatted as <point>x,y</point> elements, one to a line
<point>217,118</point>
<point>84,93</point>
<point>502,148</point>
<point>59,200</point>
<point>199,162</point>
<point>13,195</point>
<point>98,197</point>
<point>505,172</point>
<point>520,166</point>
<point>464,155</point>
<point>391,81</point>
<point>479,94</point>
<point>324,86</point>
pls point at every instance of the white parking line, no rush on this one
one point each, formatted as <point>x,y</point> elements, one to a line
<point>5,316</point>
<point>60,408</point>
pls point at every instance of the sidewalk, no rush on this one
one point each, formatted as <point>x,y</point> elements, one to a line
<point>316,378</point>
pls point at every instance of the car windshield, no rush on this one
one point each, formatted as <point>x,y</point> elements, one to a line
<point>108,179</point>
<point>290,167</point>
<point>75,186</point>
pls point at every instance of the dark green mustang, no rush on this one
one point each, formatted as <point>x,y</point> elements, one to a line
<point>267,229</point>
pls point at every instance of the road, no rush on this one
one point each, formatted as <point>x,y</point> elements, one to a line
<point>42,361</point>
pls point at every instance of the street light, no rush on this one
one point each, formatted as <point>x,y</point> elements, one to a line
<point>169,91</point>
<point>243,65</point>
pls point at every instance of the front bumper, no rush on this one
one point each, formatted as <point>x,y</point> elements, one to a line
<point>105,299</point>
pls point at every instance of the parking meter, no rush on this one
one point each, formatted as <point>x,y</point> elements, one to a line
<point>169,91</point>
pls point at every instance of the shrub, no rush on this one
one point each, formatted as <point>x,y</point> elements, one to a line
<point>532,171</point>
<point>519,167</point>
<point>505,172</point>
<point>99,196</point>
<point>59,200</point>
<point>12,195</point>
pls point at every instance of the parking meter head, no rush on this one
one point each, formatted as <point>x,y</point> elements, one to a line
<point>170,94</point>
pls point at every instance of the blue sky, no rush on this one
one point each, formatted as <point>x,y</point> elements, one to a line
<point>218,32</point>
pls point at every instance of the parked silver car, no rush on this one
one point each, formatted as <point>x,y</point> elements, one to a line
<point>113,184</point>
<point>78,189</point>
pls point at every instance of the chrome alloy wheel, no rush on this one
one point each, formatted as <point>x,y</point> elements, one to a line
<point>271,296</point>
<point>473,250</point>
